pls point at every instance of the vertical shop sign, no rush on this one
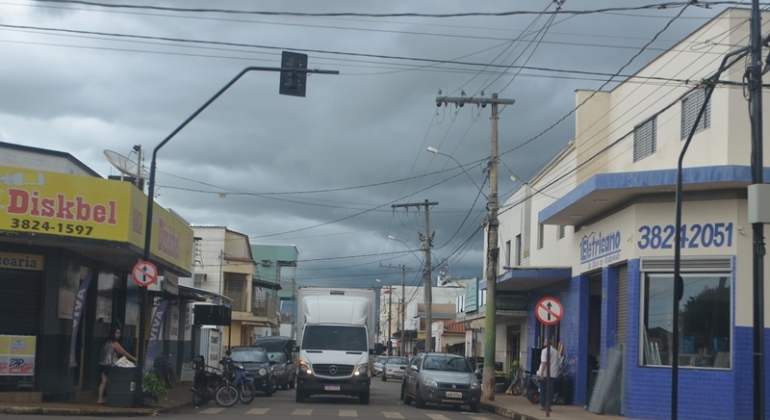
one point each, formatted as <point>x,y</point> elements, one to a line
<point>80,303</point>
<point>152,345</point>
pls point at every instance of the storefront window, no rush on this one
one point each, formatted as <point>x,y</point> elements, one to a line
<point>704,321</point>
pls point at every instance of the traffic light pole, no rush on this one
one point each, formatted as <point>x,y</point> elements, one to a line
<point>292,83</point>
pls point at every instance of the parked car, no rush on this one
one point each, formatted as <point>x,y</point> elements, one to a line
<point>257,366</point>
<point>394,368</point>
<point>379,363</point>
<point>284,371</point>
<point>441,378</point>
<point>280,350</point>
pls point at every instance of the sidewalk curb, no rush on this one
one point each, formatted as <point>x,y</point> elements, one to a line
<point>96,411</point>
<point>505,412</point>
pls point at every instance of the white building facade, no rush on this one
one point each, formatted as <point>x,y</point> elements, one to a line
<point>595,229</point>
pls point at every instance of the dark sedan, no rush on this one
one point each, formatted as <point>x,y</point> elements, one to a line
<point>284,370</point>
<point>257,365</point>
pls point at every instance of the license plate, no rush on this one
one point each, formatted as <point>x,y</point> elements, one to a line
<point>451,394</point>
<point>331,387</point>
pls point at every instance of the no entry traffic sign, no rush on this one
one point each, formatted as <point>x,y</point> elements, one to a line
<point>549,310</point>
<point>144,273</point>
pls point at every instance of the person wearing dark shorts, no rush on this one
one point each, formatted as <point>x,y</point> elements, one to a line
<point>109,356</point>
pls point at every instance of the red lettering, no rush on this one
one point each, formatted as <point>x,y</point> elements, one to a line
<point>100,213</point>
<point>35,201</point>
<point>19,201</point>
<point>113,219</point>
<point>65,207</point>
<point>83,210</point>
<point>59,207</point>
<point>48,207</point>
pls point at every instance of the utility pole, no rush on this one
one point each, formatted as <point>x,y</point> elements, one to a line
<point>493,252</point>
<point>755,90</point>
<point>402,350</point>
<point>390,320</point>
<point>427,243</point>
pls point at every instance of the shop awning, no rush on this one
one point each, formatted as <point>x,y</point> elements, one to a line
<point>603,192</point>
<point>193,293</point>
<point>529,278</point>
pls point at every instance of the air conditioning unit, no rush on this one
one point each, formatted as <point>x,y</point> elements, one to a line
<point>266,263</point>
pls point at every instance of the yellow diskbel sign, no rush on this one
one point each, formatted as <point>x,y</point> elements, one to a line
<point>62,204</point>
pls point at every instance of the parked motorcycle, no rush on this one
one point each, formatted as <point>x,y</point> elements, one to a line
<point>205,383</point>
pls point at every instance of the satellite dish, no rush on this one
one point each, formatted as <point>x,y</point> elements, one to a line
<point>125,165</point>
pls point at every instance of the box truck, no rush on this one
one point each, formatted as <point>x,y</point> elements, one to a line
<point>335,338</point>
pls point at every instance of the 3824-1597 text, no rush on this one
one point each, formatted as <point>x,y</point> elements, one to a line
<point>51,227</point>
<point>707,235</point>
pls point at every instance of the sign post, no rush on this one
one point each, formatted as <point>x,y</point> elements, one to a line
<point>548,311</point>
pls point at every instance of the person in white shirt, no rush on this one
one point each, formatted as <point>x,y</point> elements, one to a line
<point>543,372</point>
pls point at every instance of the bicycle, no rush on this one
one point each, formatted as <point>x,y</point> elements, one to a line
<point>164,370</point>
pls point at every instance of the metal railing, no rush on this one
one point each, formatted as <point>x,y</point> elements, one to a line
<point>265,308</point>
<point>239,300</point>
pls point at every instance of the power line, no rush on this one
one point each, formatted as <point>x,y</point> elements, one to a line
<point>668,5</point>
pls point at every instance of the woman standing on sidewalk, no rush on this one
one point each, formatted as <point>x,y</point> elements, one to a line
<point>109,357</point>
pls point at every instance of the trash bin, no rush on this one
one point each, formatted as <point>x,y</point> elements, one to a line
<point>121,388</point>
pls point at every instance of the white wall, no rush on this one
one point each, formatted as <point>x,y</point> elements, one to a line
<point>211,244</point>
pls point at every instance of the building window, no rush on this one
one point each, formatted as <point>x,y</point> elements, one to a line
<point>691,106</point>
<point>540,235</point>
<point>645,139</point>
<point>562,231</point>
<point>704,321</point>
<point>518,250</point>
<point>507,252</point>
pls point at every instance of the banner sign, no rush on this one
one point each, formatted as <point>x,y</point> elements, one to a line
<point>154,341</point>
<point>17,355</point>
<point>53,203</point>
<point>80,303</point>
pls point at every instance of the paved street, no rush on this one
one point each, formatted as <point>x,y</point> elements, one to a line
<point>384,404</point>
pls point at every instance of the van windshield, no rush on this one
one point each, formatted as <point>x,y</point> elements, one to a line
<point>333,337</point>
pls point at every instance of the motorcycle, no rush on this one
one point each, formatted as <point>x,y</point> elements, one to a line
<point>205,383</point>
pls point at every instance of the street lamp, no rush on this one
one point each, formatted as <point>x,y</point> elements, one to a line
<point>492,260</point>
<point>436,152</point>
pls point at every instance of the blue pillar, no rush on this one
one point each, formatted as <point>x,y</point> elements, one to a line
<point>580,289</point>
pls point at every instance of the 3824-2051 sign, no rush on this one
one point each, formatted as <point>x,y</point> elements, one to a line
<point>696,235</point>
<point>51,227</point>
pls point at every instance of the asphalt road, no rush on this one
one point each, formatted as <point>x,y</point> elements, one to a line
<point>384,403</point>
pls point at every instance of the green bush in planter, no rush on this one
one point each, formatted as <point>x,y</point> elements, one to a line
<point>152,387</point>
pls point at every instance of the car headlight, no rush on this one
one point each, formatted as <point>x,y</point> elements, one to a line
<point>305,367</point>
<point>474,385</point>
<point>430,382</point>
<point>361,370</point>
<point>262,371</point>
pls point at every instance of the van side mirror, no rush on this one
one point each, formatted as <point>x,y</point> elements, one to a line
<point>415,368</point>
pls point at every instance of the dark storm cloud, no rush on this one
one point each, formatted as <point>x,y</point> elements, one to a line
<point>369,126</point>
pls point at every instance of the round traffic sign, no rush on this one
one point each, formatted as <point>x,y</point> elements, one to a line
<point>144,273</point>
<point>549,310</point>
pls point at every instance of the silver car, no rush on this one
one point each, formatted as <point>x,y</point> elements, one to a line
<point>394,367</point>
<point>441,378</point>
<point>379,364</point>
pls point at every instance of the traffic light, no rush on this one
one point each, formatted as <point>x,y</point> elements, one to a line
<point>293,82</point>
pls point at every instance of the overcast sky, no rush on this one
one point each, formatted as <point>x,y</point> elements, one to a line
<point>320,172</point>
